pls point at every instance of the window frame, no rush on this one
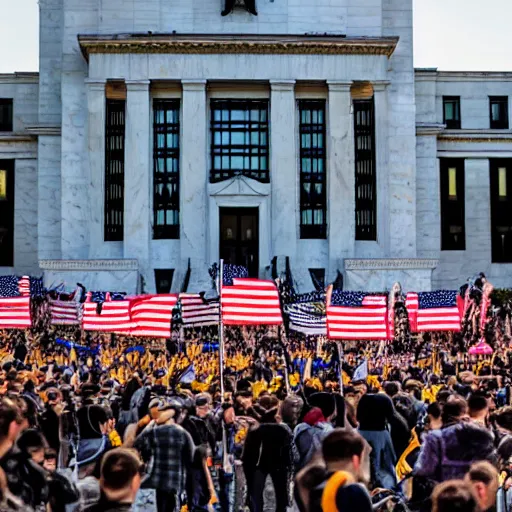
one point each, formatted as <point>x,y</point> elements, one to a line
<point>365,170</point>
<point>312,230</point>
<point>500,209</point>
<point>167,231</point>
<point>7,250</point>
<point>452,207</point>
<point>501,124</point>
<point>230,150</point>
<point>7,125</point>
<point>452,124</point>
<point>115,135</point>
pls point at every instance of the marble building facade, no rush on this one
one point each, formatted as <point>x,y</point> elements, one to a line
<point>185,71</point>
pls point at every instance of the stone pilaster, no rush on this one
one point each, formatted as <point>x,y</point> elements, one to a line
<point>340,177</point>
<point>137,175</point>
<point>283,169</point>
<point>194,179</point>
<point>380,96</point>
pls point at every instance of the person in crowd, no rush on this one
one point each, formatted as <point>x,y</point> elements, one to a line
<point>434,421</point>
<point>484,480</point>
<point>268,451</point>
<point>447,454</point>
<point>478,409</point>
<point>120,481</point>
<point>454,495</point>
<point>170,449</point>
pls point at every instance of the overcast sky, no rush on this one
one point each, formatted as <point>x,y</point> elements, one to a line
<point>449,34</point>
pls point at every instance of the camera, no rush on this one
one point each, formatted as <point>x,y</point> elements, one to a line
<point>52,396</point>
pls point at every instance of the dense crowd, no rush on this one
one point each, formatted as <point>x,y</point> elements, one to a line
<point>112,426</point>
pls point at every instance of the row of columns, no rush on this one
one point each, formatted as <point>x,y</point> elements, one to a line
<point>194,171</point>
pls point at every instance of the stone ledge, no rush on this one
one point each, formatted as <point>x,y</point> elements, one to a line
<point>429,128</point>
<point>16,137</point>
<point>89,265</point>
<point>391,264</point>
<point>44,130</point>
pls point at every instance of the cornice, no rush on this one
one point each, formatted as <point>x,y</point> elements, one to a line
<point>19,77</point>
<point>236,44</point>
<point>89,265</point>
<point>16,137</point>
<point>44,130</point>
<point>391,264</point>
<point>423,129</point>
<point>476,136</point>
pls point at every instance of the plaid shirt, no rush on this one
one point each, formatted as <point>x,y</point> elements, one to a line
<point>170,450</point>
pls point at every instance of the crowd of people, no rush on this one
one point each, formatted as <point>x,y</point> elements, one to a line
<point>116,427</point>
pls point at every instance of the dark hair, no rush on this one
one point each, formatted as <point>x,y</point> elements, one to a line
<point>434,409</point>
<point>391,388</point>
<point>443,395</point>
<point>342,445</point>
<point>31,440</point>
<point>484,472</point>
<point>453,409</point>
<point>9,412</point>
<point>405,406</point>
<point>118,468</point>
<point>503,417</point>
<point>477,403</point>
<point>453,496</point>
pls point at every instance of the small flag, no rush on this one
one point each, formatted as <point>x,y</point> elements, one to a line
<point>197,312</point>
<point>357,316</point>
<point>188,376</point>
<point>151,315</point>
<point>433,311</point>
<point>361,372</point>
<point>308,318</point>
<point>15,302</point>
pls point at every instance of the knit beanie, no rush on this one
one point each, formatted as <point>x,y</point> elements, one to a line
<point>325,401</point>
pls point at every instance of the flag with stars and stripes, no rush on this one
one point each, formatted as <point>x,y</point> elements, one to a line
<point>151,315</point>
<point>198,312</point>
<point>357,316</point>
<point>246,301</point>
<point>15,302</point>
<point>307,317</point>
<point>433,311</point>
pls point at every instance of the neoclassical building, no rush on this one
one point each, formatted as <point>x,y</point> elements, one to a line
<point>162,135</point>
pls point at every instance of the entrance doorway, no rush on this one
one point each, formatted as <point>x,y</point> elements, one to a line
<point>238,242</point>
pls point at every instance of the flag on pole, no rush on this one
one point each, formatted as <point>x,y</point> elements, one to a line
<point>65,309</point>
<point>108,316</point>
<point>15,302</point>
<point>361,372</point>
<point>151,315</point>
<point>356,316</point>
<point>246,301</point>
<point>433,311</point>
<point>197,312</point>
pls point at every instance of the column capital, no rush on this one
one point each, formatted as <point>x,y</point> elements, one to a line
<point>339,85</point>
<point>96,84</point>
<point>282,85</point>
<point>380,85</point>
<point>137,85</point>
<point>198,85</point>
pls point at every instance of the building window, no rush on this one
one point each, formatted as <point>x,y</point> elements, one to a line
<point>239,139</point>
<point>501,208</point>
<point>163,279</point>
<point>453,231</point>
<point>313,197</point>
<point>166,169</point>
<point>5,115</point>
<point>6,213</point>
<point>451,112</point>
<point>318,278</point>
<point>114,170</point>
<point>498,106</point>
<point>366,180</point>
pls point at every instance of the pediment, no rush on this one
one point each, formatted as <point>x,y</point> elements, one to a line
<point>239,186</point>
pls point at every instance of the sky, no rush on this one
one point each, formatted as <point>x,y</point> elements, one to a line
<point>458,35</point>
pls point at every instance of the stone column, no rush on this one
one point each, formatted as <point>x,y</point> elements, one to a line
<point>380,96</point>
<point>283,169</point>
<point>340,177</point>
<point>96,154</point>
<point>193,182</point>
<point>137,175</point>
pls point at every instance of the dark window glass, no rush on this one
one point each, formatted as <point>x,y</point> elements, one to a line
<point>114,170</point>
<point>6,213</point>
<point>5,115</point>
<point>453,231</point>
<point>498,106</point>
<point>451,111</point>
<point>318,278</point>
<point>166,169</point>
<point>313,197</point>
<point>163,279</point>
<point>239,139</point>
<point>501,210</point>
<point>366,179</point>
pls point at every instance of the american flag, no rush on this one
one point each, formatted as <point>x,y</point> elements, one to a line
<point>433,311</point>
<point>307,317</point>
<point>15,302</point>
<point>248,301</point>
<point>151,315</point>
<point>357,316</point>
<point>65,312</point>
<point>108,316</point>
<point>197,312</point>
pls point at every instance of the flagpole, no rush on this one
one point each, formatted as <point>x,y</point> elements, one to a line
<point>221,332</point>
<point>338,343</point>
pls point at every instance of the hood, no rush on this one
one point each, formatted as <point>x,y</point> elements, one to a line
<point>90,450</point>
